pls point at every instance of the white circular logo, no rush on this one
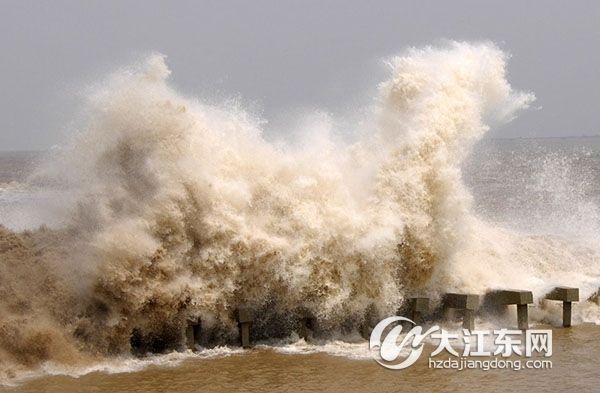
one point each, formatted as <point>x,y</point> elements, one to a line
<point>388,348</point>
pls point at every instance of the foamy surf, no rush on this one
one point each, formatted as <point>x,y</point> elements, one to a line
<point>171,209</point>
<point>351,347</point>
<point>123,364</point>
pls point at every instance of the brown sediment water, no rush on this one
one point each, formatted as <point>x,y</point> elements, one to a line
<point>576,353</point>
<point>163,209</point>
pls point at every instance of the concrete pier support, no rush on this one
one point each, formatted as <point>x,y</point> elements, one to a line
<point>567,295</point>
<point>371,318</point>
<point>468,319</point>
<point>245,317</point>
<point>306,327</point>
<point>567,313</point>
<point>466,303</point>
<point>522,317</point>
<point>419,308</point>
<point>193,332</point>
<point>504,297</point>
<point>307,323</point>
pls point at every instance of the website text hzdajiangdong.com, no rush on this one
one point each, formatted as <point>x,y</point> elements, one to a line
<point>387,347</point>
<point>464,363</point>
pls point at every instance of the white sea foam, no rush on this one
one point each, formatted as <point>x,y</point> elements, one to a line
<point>177,209</point>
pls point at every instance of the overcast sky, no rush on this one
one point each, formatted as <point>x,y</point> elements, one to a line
<point>284,57</point>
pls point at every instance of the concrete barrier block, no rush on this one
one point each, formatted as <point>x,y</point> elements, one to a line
<point>509,296</point>
<point>460,301</point>
<point>565,294</point>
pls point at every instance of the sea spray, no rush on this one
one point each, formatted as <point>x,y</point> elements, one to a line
<point>177,209</point>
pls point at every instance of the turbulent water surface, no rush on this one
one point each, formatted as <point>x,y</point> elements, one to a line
<point>269,370</point>
<point>162,208</point>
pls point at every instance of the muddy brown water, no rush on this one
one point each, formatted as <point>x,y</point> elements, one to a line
<point>576,359</point>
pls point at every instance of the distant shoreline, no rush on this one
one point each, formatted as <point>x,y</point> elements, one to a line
<point>546,137</point>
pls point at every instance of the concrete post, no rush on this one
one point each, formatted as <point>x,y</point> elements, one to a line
<point>567,314</point>
<point>522,317</point>
<point>371,319</point>
<point>307,326</point>
<point>193,333</point>
<point>303,328</point>
<point>502,298</point>
<point>567,296</point>
<point>306,323</point>
<point>245,334</point>
<point>419,308</point>
<point>467,303</point>
<point>468,319</point>
<point>189,336</point>
<point>244,317</point>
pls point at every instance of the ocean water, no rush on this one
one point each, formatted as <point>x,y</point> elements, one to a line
<point>332,367</point>
<point>545,186</point>
<point>162,208</point>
